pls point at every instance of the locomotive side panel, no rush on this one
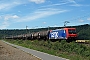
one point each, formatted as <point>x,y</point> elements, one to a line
<point>57,34</point>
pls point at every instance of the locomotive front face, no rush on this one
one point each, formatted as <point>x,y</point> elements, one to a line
<point>71,33</point>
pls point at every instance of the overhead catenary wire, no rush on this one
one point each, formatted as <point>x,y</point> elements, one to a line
<point>75,19</point>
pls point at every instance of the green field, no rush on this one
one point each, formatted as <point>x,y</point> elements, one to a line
<point>72,50</point>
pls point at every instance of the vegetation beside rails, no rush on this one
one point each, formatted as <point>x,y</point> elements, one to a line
<point>72,50</point>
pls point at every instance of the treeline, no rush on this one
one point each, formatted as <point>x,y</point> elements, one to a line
<point>83,31</point>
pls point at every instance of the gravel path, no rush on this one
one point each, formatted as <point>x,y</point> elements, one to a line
<point>38,54</point>
<point>10,53</point>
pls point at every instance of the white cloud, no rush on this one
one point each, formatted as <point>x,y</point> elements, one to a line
<point>81,21</point>
<point>4,24</point>
<point>58,4</point>
<point>6,20</point>
<point>55,26</point>
<point>14,16</point>
<point>44,22</point>
<point>37,1</point>
<point>7,17</point>
<point>88,19</point>
<point>2,6</point>
<point>0,17</point>
<point>41,13</point>
<point>72,3</point>
<point>76,5</point>
<point>6,5</point>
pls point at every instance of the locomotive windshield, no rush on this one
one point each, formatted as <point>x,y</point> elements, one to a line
<point>70,31</point>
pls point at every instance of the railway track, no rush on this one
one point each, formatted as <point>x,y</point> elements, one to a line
<point>83,41</point>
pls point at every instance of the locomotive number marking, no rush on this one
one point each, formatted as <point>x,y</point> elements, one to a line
<point>54,35</point>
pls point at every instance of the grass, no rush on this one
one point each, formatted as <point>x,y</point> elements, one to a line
<point>72,51</point>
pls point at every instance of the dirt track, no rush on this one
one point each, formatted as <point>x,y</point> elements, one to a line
<point>10,53</point>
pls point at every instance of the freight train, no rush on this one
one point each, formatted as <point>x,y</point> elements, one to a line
<point>68,34</point>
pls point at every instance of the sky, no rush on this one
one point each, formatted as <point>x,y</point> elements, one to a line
<point>17,14</point>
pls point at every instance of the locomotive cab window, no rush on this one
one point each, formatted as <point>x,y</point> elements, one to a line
<point>70,31</point>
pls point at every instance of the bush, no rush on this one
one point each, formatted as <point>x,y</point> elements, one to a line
<point>56,46</point>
